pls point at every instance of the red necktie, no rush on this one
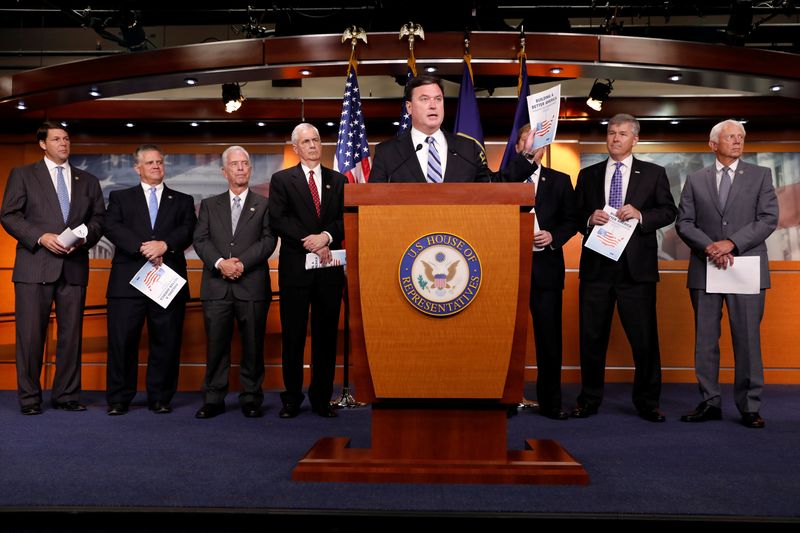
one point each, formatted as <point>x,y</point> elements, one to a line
<point>314,192</point>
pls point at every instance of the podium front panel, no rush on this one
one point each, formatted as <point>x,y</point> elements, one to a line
<point>411,354</point>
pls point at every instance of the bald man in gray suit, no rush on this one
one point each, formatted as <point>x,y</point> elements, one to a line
<point>727,210</point>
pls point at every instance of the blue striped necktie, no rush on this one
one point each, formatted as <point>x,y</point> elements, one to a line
<point>434,162</point>
<point>63,193</point>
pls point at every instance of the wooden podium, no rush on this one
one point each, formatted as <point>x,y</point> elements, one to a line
<point>439,375</point>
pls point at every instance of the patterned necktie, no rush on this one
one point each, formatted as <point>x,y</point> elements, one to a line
<point>236,212</point>
<point>62,192</point>
<point>724,186</point>
<point>314,192</point>
<point>615,192</point>
<point>152,206</point>
<point>434,174</point>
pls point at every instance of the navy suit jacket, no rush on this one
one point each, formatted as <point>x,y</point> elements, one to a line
<point>292,217</point>
<point>555,212</point>
<point>31,209</point>
<point>127,226</point>
<point>396,162</point>
<point>648,191</point>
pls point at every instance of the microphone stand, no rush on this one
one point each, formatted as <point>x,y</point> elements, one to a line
<point>346,399</point>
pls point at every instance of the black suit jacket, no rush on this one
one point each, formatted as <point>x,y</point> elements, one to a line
<point>252,243</point>
<point>31,209</point>
<point>648,191</point>
<point>396,161</point>
<point>127,226</point>
<point>555,212</point>
<point>292,217</point>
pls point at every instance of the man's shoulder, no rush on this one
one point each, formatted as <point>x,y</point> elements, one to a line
<point>395,141</point>
<point>178,194</point>
<point>646,166</point>
<point>84,174</point>
<point>595,168</point>
<point>334,175</point>
<point>554,174</point>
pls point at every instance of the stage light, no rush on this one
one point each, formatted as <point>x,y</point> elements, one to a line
<point>232,96</point>
<point>94,92</point>
<point>556,70</point>
<point>21,105</point>
<point>190,81</point>
<point>675,77</point>
<point>776,88</point>
<point>599,94</point>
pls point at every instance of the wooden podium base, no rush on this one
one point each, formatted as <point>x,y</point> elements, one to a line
<point>440,446</point>
<point>545,462</point>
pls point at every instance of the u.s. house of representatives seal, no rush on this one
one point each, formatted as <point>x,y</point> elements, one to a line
<point>440,274</point>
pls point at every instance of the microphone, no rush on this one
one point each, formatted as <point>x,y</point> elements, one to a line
<point>403,162</point>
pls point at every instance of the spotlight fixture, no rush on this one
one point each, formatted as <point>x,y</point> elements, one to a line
<point>674,122</point>
<point>129,124</point>
<point>556,70</point>
<point>261,124</point>
<point>330,124</point>
<point>431,69</point>
<point>305,72</point>
<point>194,124</point>
<point>94,92</point>
<point>396,123</point>
<point>604,122</point>
<point>675,77</point>
<point>190,81</point>
<point>64,123</point>
<point>21,105</point>
<point>232,96</point>
<point>776,88</point>
<point>599,94</point>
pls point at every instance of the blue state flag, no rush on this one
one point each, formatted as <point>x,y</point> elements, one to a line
<point>468,120</point>
<point>521,113</point>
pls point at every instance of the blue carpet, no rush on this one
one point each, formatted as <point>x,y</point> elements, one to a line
<point>90,461</point>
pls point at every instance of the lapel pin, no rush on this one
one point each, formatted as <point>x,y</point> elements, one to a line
<point>169,196</point>
<point>544,179</point>
<point>636,172</point>
<point>252,209</point>
<point>76,178</point>
<point>327,186</point>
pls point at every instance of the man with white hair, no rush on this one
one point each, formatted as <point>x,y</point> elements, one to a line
<point>727,210</point>
<point>306,210</point>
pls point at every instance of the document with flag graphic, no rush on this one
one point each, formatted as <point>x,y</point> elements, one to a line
<point>611,238</point>
<point>339,259</point>
<point>159,283</point>
<point>543,110</point>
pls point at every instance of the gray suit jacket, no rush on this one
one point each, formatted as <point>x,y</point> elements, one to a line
<point>252,243</point>
<point>749,217</point>
<point>30,209</point>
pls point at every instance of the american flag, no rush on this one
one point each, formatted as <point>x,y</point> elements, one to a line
<point>543,128</point>
<point>607,238</point>
<point>405,116</point>
<point>352,148</point>
<point>153,276</point>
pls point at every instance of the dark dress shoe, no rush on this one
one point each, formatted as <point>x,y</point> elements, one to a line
<point>161,408</point>
<point>116,409</point>
<point>652,415</point>
<point>210,410</point>
<point>554,413</point>
<point>251,410</point>
<point>583,411</point>
<point>289,410</point>
<point>703,412</point>
<point>71,405</point>
<point>32,409</point>
<point>752,420</point>
<point>325,411</point>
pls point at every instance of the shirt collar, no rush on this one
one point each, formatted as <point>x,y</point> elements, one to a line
<point>733,166</point>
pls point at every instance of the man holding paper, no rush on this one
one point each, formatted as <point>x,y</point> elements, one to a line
<point>726,213</point>
<point>147,223</point>
<point>636,191</point>
<point>306,209</point>
<point>41,201</point>
<point>234,241</point>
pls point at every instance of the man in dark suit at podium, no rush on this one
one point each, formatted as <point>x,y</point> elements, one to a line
<point>428,154</point>
<point>555,225</point>
<point>306,210</point>
<point>148,222</point>
<point>234,240</point>
<point>639,191</point>
<point>41,200</point>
